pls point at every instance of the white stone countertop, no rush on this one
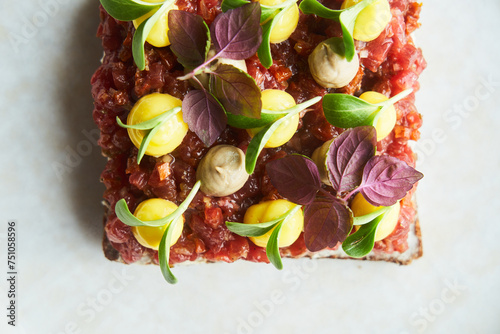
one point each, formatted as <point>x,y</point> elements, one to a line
<point>65,285</point>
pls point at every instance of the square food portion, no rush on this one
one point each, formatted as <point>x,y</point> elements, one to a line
<point>279,113</point>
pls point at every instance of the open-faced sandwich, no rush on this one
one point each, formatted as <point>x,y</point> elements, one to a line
<point>258,130</point>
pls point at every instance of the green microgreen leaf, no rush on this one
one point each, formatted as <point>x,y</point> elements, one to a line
<point>164,253</point>
<point>272,248</point>
<point>346,18</point>
<point>347,111</point>
<point>152,126</point>
<point>271,11</point>
<point>123,213</point>
<point>259,141</point>
<point>142,33</point>
<point>257,230</point>
<point>264,51</point>
<point>361,242</point>
<point>128,10</point>
<point>243,122</point>
<point>145,142</point>
<point>365,219</point>
<point>252,230</point>
<point>232,4</point>
<point>150,123</point>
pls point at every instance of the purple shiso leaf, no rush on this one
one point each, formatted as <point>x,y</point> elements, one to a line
<point>328,222</point>
<point>204,115</point>
<point>189,37</point>
<point>387,179</point>
<point>295,177</point>
<point>237,33</point>
<point>236,91</point>
<point>347,156</point>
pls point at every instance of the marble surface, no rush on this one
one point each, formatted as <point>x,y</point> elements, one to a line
<point>48,53</point>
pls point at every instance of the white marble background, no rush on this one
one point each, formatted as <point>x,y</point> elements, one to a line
<point>48,53</point>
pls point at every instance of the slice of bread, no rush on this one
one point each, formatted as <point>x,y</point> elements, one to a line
<point>387,64</point>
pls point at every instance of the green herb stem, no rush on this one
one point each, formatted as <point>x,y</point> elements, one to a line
<point>200,69</point>
<point>395,98</point>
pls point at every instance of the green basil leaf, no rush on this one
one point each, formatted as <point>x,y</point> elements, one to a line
<point>164,253</point>
<point>142,33</point>
<point>365,219</point>
<point>361,242</point>
<point>257,230</point>
<point>272,248</point>
<point>259,141</point>
<point>347,111</point>
<point>128,10</point>
<point>347,20</point>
